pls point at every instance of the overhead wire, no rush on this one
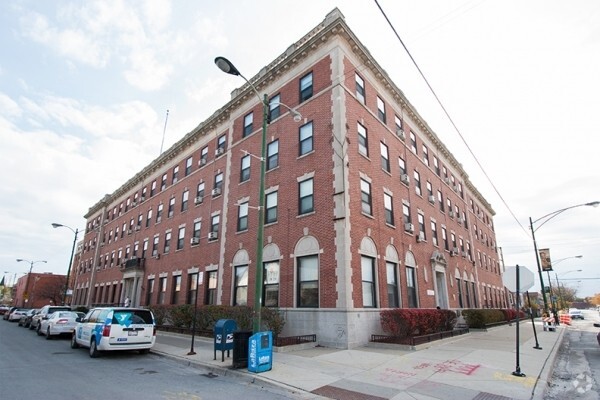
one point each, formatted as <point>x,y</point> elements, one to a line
<point>449,117</point>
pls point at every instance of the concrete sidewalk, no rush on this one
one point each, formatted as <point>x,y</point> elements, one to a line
<point>477,366</point>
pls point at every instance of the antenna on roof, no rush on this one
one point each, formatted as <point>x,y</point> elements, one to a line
<point>164,131</point>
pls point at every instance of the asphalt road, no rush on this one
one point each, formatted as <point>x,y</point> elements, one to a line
<point>34,368</point>
<point>576,372</point>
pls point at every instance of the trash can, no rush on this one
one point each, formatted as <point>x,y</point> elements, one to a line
<point>240,348</point>
<point>223,336</point>
<point>260,354</point>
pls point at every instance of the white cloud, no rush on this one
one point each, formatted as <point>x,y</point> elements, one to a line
<point>8,107</point>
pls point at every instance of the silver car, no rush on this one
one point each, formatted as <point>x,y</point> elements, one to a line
<point>58,323</point>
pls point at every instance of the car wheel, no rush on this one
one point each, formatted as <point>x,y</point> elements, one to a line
<point>48,337</point>
<point>39,330</point>
<point>144,351</point>
<point>94,353</point>
<point>74,344</point>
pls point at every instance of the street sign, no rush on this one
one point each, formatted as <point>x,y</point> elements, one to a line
<point>526,279</point>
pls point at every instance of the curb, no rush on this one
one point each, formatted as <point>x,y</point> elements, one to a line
<point>539,391</point>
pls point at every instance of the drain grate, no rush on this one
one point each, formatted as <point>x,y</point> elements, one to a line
<point>210,375</point>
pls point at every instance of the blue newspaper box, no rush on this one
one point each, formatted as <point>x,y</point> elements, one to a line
<point>223,336</point>
<point>260,352</point>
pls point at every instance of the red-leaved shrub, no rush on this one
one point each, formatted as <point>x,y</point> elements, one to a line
<point>404,322</point>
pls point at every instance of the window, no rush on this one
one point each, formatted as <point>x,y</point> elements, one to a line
<point>218,185</point>
<point>196,229</point>
<point>421,222</point>
<point>242,221</point>
<point>474,297</point>
<point>221,144</point>
<point>306,87</point>
<point>306,138</point>
<point>449,204</point>
<point>436,165</point>
<point>203,156</point>
<point>274,107</point>
<point>176,289</point>
<point>453,240</point>
<point>214,224</point>
<point>363,142</point>
<point>368,281</point>
<point>148,217</point>
<point>402,166</point>
<point>163,183</point>
<point>460,292</point>
<point>385,158</point>
<point>163,290</point>
<point>271,284</point>
<point>185,197</point>
<point>152,189</point>
<point>155,246</point>
<point>434,237</point>
<point>149,291</point>
<point>392,284</point>
<point>425,155</point>
<point>308,281</point>
<point>200,190</point>
<point>245,168</point>
<point>360,88</point>
<point>159,212</point>
<point>305,198</point>
<point>192,291</point>
<point>167,242</point>
<point>240,286</point>
<point>440,200</point>
<point>175,177</point>
<point>380,109</point>
<point>188,165</point>
<point>388,204</point>
<point>248,119</point>
<point>180,238</point>
<point>406,214</point>
<point>171,210</point>
<point>139,221</point>
<point>418,183</point>
<point>365,197</point>
<point>429,189</point>
<point>411,287</point>
<point>413,142</point>
<point>271,208</point>
<point>144,248</point>
<point>397,123</point>
<point>211,288</point>
<point>445,238</point>
<point>272,154</point>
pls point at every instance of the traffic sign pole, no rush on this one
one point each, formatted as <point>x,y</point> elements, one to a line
<point>517,371</point>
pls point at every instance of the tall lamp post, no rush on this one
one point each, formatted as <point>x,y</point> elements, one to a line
<point>227,66</point>
<point>26,292</point>
<point>542,221</point>
<point>76,232</point>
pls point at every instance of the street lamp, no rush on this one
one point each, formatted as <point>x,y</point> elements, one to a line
<point>26,291</point>
<point>545,219</point>
<point>76,232</point>
<point>227,66</point>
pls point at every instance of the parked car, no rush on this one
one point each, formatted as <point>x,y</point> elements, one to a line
<point>7,313</point>
<point>44,312</point>
<point>58,323</point>
<point>4,309</point>
<point>25,320</point>
<point>16,314</point>
<point>575,314</point>
<point>115,328</point>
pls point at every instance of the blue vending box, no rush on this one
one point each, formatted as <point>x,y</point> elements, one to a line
<point>260,352</point>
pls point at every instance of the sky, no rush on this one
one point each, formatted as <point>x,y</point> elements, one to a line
<point>85,87</point>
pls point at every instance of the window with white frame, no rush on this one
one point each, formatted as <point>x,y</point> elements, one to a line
<point>305,197</point>
<point>306,138</point>
<point>171,210</point>
<point>306,87</point>
<point>308,281</point>
<point>411,287</point>
<point>360,88</point>
<point>365,197</point>
<point>175,176</point>
<point>180,237</point>
<point>240,286</point>
<point>271,284</point>
<point>273,154</point>
<point>185,197</point>
<point>421,222</point>
<point>188,165</point>
<point>425,155</point>
<point>434,237</point>
<point>245,168</point>
<point>392,284</point>
<point>271,207</point>
<point>167,247</point>
<point>248,120</point>
<point>417,177</point>
<point>368,281</point>
<point>274,107</point>
<point>388,204</point>
<point>242,220</point>
<point>211,288</point>
<point>381,109</point>
<point>363,141</point>
<point>385,157</point>
<point>413,142</point>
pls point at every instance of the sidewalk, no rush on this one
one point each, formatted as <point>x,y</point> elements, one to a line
<point>475,366</point>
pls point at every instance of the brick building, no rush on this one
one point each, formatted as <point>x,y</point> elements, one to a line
<point>365,208</point>
<point>35,290</point>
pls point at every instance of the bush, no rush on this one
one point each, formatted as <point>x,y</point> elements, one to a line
<point>273,320</point>
<point>161,313</point>
<point>480,318</point>
<point>402,323</point>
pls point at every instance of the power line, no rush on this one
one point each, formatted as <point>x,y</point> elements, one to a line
<point>450,118</point>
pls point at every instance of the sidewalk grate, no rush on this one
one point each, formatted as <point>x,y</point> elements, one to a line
<point>490,396</point>
<point>336,393</point>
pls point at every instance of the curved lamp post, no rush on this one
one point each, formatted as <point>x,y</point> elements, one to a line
<point>26,292</point>
<point>542,221</point>
<point>227,66</point>
<point>76,232</point>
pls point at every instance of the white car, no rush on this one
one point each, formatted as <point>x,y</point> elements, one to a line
<point>58,323</point>
<point>17,314</point>
<point>115,328</point>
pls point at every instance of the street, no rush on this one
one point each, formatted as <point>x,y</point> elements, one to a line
<point>34,368</point>
<point>577,367</point>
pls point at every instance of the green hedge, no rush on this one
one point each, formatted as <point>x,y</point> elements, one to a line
<point>481,317</point>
